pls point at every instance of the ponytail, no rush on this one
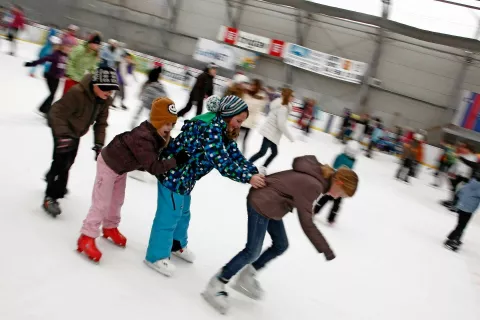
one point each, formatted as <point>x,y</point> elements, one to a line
<point>327,171</point>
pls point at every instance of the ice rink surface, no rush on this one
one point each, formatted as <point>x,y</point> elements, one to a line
<point>388,239</point>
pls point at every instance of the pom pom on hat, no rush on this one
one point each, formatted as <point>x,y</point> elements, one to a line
<point>163,111</point>
<point>228,106</point>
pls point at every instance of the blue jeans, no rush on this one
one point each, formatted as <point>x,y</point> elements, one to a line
<point>170,224</point>
<point>258,226</point>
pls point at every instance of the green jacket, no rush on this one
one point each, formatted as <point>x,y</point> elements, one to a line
<point>80,61</point>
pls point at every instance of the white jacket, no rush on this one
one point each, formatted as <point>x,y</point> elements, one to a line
<point>255,108</point>
<point>461,169</point>
<point>276,123</point>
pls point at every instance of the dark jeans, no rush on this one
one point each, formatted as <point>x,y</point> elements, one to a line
<point>188,107</point>
<point>371,145</point>
<point>245,131</point>
<point>258,226</point>
<point>52,84</point>
<point>463,219</point>
<point>57,177</point>
<point>405,170</point>
<point>336,206</point>
<point>120,93</point>
<point>266,144</point>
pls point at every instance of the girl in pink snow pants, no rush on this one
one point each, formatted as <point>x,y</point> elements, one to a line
<point>138,149</point>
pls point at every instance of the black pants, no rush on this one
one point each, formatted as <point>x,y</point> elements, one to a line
<point>405,169</point>
<point>245,131</point>
<point>333,212</point>
<point>463,219</point>
<point>52,84</point>
<point>371,144</point>
<point>12,34</point>
<point>266,144</point>
<point>442,169</point>
<point>57,177</point>
<point>188,107</point>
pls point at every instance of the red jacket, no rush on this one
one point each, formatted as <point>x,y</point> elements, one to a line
<point>18,21</point>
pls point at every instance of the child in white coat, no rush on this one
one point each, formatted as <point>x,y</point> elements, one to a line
<point>275,127</point>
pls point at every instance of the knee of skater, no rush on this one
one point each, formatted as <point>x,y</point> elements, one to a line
<point>252,255</point>
<point>281,247</point>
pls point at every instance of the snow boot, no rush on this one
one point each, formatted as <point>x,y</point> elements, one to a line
<point>87,245</point>
<point>247,283</point>
<point>51,206</point>
<point>117,238</point>
<point>216,295</point>
<point>185,254</point>
<point>164,266</point>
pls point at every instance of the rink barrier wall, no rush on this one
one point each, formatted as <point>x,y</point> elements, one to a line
<point>175,73</point>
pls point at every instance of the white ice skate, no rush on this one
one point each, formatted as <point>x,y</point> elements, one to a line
<point>247,283</point>
<point>185,254</point>
<point>216,295</point>
<point>164,266</point>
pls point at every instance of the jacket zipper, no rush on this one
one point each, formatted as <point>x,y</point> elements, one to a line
<point>173,201</point>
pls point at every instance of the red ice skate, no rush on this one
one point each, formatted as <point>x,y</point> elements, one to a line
<point>117,238</point>
<point>87,245</point>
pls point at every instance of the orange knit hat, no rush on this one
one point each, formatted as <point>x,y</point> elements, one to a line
<point>163,111</point>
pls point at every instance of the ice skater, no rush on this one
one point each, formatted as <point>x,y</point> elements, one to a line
<point>408,160</point>
<point>287,190</point>
<point>256,100</point>
<point>47,49</point>
<point>151,90</point>
<point>58,60</point>
<point>70,118</point>
<point>138,149</point>
<point>467,204</point>
<point>209,139</point>
<point>307,117</point>
<point>446,161</point>
<point>17,24</point>
<point>345,159</point>
<point>274,127</point>
<point>202,89</point>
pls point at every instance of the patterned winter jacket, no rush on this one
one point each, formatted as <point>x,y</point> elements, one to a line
<point>208,149</point>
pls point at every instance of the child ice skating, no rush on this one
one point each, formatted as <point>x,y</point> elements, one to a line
<point>408,160</point>
<point>296,188</point>
<point>346,159</point>
<point>133,150</point>
<point>467,204</point>
<point>210,141</point>
<point>58,60</point>
<point>70,118</point>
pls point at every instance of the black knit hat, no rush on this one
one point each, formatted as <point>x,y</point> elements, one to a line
<point>106,79</point>
<point>95,39</point>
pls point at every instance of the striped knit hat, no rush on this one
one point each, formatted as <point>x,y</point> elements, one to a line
<point>228,106</point>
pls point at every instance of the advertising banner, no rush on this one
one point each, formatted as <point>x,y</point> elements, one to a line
<point>210,51</point>
<point>324,63</point>
<point>468,112</point>
<point>251,41</point>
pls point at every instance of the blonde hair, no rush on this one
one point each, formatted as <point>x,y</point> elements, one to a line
<point>348,178</point>
<point>235,90</point>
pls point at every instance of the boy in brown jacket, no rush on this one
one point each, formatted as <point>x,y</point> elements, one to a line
<point>297,188</point>
<point>70,118</point>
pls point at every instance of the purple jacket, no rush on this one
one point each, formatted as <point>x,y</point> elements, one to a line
<point>58,61</point>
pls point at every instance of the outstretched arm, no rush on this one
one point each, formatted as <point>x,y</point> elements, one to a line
<point>220,158</point>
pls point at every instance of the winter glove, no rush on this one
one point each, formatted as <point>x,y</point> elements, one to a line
<point>98,149</point>
<point>182,157</point>
<point>64,144</point>
<point>28,64</point>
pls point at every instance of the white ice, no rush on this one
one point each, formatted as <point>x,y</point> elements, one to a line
<point>388,240</point>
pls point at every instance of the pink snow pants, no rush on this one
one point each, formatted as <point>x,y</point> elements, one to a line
<point>107,200</point>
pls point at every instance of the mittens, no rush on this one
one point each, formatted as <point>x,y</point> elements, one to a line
<point>98,149</point>
<point>182,157</point>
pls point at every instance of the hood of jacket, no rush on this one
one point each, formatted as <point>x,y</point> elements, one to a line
<point>86,85</point>
<point>309,165</point>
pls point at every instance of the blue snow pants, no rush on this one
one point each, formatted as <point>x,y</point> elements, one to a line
<point>171,223</point>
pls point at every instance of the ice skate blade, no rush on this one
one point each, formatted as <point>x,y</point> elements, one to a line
<point>454,249</point>
<point>154,267</point>
<point>80,252</point>
<point>115,244</point>
<point>213,304</point>
<point>245,292</point>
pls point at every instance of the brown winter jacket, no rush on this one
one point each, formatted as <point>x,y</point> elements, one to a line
<point>138,149</point>
<point>77,110</point>
<point>297,188</point>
